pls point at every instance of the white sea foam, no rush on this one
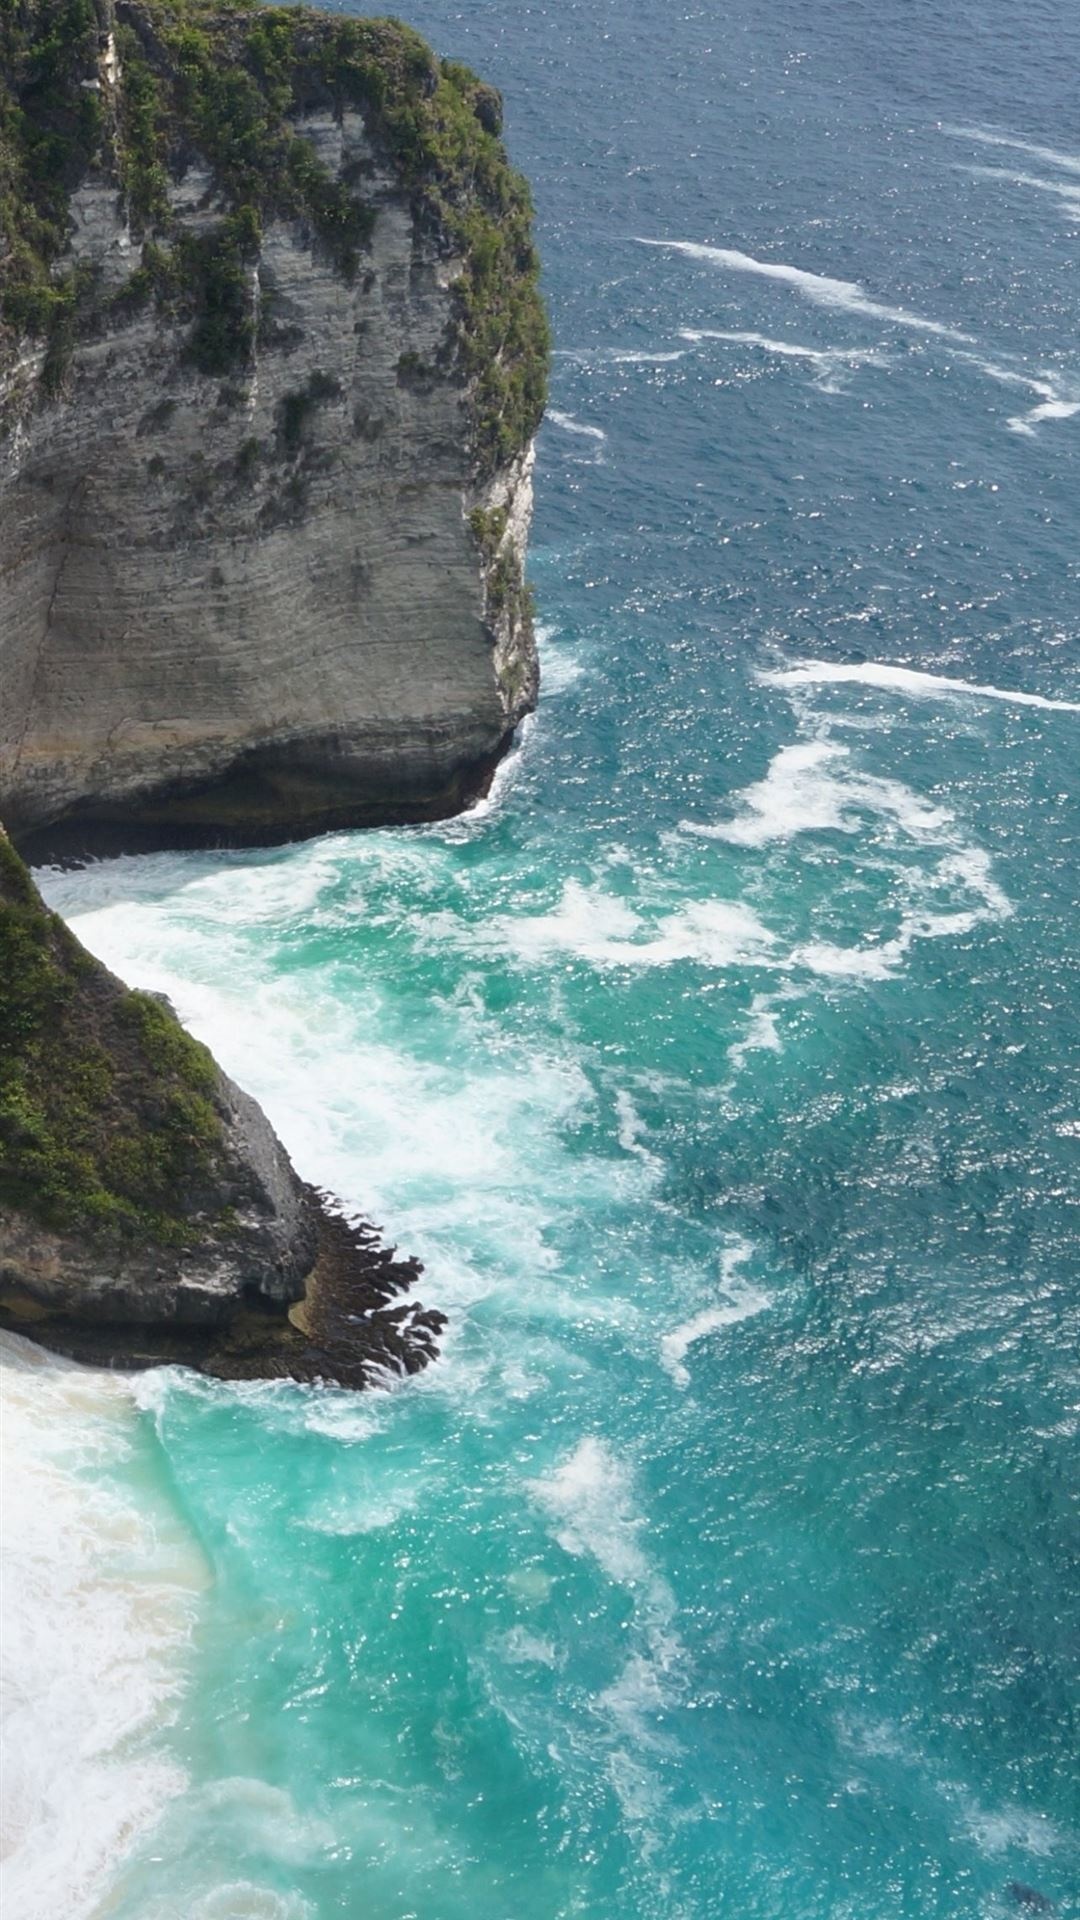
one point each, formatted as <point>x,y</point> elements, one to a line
<point>370,1109</point>
<point>522,1648</point>
<point>876,1738</point>
<point>908,680</point>
<point>271,889</point>
<point>1058,394</point>
<point>464,826</point>
<point>1009,376</point>
<point>813,786</point>
<point>620,356</point>
<point>739,1301</point>
<point>1048,410</point>
<point>590,1500</point>
<point>99,1596</point>
<point>263,1818</point>
<point>368,1511</point>
<point>852,963</point>
<point>783,349</point>
<point>987,137</point>
<point>347,1417</point>
<point>531,1586</point>
<point>762,1032</point>
<point>598,927</point>
<point>966,871</point>
<point>997,1830</point>
<point>433,1146</point>
<point>635,1707</point>
<point>230,1900</point>
<point>841,295</point>
<point>631,1127</point>
<point>569,424</point>
<point>559,671</point>
<point>560,667</point>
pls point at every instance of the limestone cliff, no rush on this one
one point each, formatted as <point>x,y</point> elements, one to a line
<point>147,1210</point>
<point>271,360</point>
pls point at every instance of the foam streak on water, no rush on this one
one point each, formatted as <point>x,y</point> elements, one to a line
<point>1067,192</point>
<point>986,137</point>
<point>738,1301</point>
<point>909,680</point>
<point>579,427</point>
<point>823,291</point>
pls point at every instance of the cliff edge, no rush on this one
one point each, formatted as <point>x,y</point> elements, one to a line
<point>148,1212</point>
<point>272,355</point>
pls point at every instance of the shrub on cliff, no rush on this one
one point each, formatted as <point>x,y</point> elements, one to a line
<point>107,1120</point>
<point>228,85</point>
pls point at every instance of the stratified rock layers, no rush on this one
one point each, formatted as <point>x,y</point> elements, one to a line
<point>249,605</point>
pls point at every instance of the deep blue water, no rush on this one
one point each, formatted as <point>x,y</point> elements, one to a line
<point>723,1070</point>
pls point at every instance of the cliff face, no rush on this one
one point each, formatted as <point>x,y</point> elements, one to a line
<point>147,1210</point>
<point>271,362</point>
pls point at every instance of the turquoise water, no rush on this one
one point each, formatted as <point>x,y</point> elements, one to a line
<point>723,1069</point>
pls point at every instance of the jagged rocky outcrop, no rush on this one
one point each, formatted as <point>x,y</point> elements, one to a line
<point>271,360</point>
<point>148,1211</point>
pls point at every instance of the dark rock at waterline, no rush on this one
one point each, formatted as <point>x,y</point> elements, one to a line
<point>148,1211</point>
<point>349,1326</point>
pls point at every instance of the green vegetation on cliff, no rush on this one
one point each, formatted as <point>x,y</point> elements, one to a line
<point>227,85</point>
<point>51,127</point>
<point>107,1122</point>
<point>508,592</point>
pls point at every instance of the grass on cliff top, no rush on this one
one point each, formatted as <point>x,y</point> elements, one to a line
<point>107,1121</point>
<point>227,85</point>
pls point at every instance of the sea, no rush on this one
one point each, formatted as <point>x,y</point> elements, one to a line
<point>722,1067</point>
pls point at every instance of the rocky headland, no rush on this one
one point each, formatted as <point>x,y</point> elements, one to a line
<point>148,1212</point>
<point>272,356</point>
